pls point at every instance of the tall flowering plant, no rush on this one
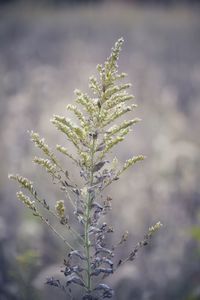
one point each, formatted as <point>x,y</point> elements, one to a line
<point>97,131</point>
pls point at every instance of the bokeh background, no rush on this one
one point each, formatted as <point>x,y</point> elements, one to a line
<point>49,48</point>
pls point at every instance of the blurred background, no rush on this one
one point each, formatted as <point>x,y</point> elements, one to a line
<point>47,49</point>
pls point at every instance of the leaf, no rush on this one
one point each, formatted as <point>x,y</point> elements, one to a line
<point>97,207</point>
<point>45,204</point>
<point>75,269</point>
<point>101,260</point>
<point>119,263</point>
<point>53,282</point>
<point>89,297</point>
<point>100,249</point>
<point>102,286</point>
<point>101,147</point>
<point>77,253</point>
<point>98,271</point>
<point>124,238</point>
<point>107,291</point>
<point>108,261</point>
<point>74,279</point>
<point>94,230</point>
<point>98,166</point>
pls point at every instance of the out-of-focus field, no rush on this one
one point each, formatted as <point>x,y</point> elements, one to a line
<point>44,55</point>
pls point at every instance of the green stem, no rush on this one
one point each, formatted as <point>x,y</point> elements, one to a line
<point>55,231</point>
<point>88,208</point>
<point>73,231</point>
<point>87,222</point>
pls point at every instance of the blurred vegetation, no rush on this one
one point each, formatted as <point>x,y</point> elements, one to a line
<point>78,2</point>
<point>196,233</point>
<point>195,293</point>
<point>18,273</point>
<point>51,2</point>
<point>25,270</point>
<point>45,54</point>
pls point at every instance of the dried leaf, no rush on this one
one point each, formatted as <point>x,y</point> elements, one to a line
<point>97,207</point>
<point>107,291</point>
<point>100,249</point>
<point>77,253</point>
<point>74,279</point>
<point>108,261</point>
<point>53,282</point>
<point>101,147</point>
<point>45,204</point>
<point>101,260</point>
<point>75,269</point>
<point>119,263</point>
<point>110,229</point>
<point>98,166</point>
<point>89,297</point>
<point>94,230</point>
<point>124,238</point>
<point>98,271</point>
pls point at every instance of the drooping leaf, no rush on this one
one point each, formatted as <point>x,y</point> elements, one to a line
<point>98,271</point>
<point>76,253</point>
<point>107,292</point>
<point>98,166</point>
<point>73,278</point>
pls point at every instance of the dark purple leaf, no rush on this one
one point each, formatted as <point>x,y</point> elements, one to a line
<point>107,291</point>
<point>45,204</point>
<point>100,249</point>
<point>101,147</point>
<point>97,207</point>
<point>53,282</point>
<point>119,263</point>
<point>76,191</point>
<point>75,269</point>
<point>77,253</point>
<point>94,230</point>
<point>101,260</point>
<point>98,271</point>
<point>98,166</point>
<point>133,254</point>
<point>73,278</point>
<point>64,221</point>
<point>108,261</point>
<point>110,229</point>
<point>89,297</point>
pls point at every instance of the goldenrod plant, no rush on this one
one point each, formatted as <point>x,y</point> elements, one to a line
<point>97,131</point>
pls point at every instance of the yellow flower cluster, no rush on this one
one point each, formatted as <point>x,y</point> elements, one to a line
<point>155,227</point>
<point>131,161</point>
<point>64,151</point>
<point>40,143</point>
<point>24,182</point>
<point>26,200</point>
<point>47,164</point>
<point>60,208</point>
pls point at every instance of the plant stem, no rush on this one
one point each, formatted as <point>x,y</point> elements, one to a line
<point>87,220</point>
<point>73,231</point>
<point>55,231</point>
<point>88,207</point>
